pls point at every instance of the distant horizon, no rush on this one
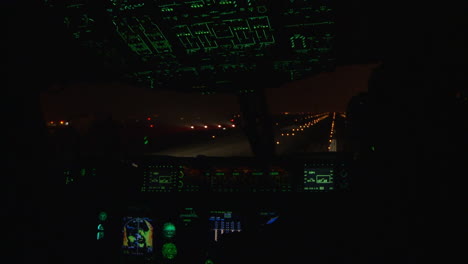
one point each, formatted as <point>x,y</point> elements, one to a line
<point>324,92</point>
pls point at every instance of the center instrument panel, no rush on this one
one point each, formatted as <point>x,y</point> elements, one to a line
<point>152,234</point>
<point>160,209</point>
<point>325,172</point>
<point>146,175</point>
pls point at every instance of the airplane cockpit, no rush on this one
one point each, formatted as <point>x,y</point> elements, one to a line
<point>251,186</point>
<point>185,209</point>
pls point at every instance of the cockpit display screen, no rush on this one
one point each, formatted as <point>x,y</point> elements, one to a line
<point>318,179</point>
<point>223,222</point>
<point>137,236</point>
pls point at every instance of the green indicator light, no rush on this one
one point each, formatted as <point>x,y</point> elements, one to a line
<point>83,172</point>
<point>169,230</point>
<point>236,174</point>
<point>257,173</point>
<point>274,173</point>
<point>102,216</point>
<point>220,174</point>
<point>169,251</point>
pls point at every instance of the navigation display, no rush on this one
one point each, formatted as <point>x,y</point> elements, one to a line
<point>318,179</point>
<point>137,236</point>
<point>162,178</point>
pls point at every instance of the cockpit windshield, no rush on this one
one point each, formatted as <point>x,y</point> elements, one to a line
<point>305,116</point>
<point>212,78</point>
<point>221,131</point>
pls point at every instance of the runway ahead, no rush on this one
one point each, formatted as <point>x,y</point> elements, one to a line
<point>312,136</point>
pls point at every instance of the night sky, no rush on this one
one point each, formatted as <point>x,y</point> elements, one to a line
<point>329,91</point>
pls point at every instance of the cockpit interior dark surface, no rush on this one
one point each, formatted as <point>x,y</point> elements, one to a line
<point>235,131</point>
